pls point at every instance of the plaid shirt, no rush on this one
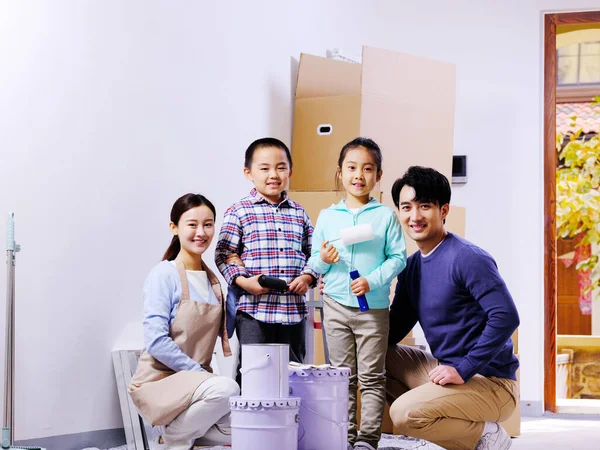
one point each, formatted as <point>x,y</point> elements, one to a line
<point>272,240</point>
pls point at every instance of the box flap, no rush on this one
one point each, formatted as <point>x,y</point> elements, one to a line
<point>403,78</point>
<point>325,77</point>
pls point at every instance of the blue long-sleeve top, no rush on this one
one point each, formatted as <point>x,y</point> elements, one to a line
<point>464,307</point>
<point>161,294</point>
<point>379,260</point>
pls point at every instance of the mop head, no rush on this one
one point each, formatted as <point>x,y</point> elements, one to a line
<point>16,447</point>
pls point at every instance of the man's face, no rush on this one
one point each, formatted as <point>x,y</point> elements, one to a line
<point>423,222</point>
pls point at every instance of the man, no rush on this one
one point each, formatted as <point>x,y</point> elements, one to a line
<point>455,396</point>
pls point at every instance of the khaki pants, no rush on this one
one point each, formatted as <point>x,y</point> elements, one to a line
<point>358,340</point>
<point>450,416</point>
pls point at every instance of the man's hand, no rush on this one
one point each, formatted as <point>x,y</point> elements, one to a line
<point>444,375</point>
<point>251,285</point>
<point>329,254</point>
<point>300,285</point>
<point>321,285</point>
<point>360,286</point>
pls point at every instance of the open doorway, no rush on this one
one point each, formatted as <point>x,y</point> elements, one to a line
<point>571,80</point>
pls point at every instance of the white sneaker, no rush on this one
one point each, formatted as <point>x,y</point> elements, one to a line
<point>157,444</point>
<point>362,445</point>
<point>494,437</point>
<point>397,442</point>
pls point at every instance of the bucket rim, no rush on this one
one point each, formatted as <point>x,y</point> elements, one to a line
<point>265,345</point>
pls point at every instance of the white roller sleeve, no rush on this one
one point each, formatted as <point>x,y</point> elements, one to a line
<point>357,234</point>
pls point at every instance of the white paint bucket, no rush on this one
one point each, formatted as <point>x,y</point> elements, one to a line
<point>265,371</point>
<point>264,424</point>
<point>324,407</point>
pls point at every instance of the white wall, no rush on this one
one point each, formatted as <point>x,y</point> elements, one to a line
<point>109,110</point>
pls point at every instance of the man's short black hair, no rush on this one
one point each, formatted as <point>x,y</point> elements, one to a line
<point>430,186</point>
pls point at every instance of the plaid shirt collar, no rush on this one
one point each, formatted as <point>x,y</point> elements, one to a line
<point>258,198</point>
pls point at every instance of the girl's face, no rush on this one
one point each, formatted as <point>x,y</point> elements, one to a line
<point>195,229</point>
<point>358,173</point>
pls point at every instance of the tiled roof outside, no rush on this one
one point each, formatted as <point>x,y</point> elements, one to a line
<point>587,117</point>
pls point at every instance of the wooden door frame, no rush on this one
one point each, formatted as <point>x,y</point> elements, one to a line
<point>550,292</point>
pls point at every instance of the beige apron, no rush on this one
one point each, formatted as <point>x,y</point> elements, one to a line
<point>162,394</point>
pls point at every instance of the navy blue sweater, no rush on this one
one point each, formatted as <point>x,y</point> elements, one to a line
<point>464,307</point>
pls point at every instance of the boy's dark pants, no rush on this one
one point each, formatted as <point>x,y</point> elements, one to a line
<point>252,331</point>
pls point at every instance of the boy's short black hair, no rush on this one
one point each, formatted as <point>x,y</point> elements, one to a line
<point>262,143</point>
<point>430,186</point>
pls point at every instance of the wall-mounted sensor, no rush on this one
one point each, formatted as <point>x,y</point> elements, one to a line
<point>324,129</point>
<point>459,169</point>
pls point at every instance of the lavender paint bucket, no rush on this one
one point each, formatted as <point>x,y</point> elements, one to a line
<point>270,424</point>
<point>324,408</point>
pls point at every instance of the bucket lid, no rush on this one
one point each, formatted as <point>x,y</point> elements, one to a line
<point>324,370</point>
<point>279,403</point>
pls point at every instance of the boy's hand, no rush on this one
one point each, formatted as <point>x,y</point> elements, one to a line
<point>321,285</point>
<point>444,375</point>
<point>360,286</point>
<point>300,285</point>
<point>251,285</point>
<point>329,254</point>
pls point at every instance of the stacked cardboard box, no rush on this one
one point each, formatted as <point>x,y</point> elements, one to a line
<point>404,103</point>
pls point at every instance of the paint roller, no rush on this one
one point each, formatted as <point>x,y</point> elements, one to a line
<point>356,235</point>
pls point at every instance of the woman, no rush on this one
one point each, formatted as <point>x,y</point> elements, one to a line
<point>184,312</point>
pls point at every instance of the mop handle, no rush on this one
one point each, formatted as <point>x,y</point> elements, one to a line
<point>362,300</point>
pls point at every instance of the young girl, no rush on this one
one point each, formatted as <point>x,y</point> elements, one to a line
<point>184,312</point>
<point>267,233</point>
<point>356,339</point>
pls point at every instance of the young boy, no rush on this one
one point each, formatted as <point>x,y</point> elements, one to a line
<point>271,234</point>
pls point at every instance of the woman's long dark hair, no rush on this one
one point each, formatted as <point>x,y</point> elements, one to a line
<point>183,204</point>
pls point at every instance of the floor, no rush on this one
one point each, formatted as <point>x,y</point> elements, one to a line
<point>544,433</point>
<point>547,433</point>
<point>560,432</point>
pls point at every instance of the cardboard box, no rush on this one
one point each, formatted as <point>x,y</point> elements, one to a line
<point>512,425</point>
<point>315,201</point>
<point>404,103</point>
<point>386,426</point>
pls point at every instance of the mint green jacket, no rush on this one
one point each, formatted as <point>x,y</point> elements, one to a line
<point>379,260</point>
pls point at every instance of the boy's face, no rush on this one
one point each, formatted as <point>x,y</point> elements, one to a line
<point>270,172</point>
<point>422,221</point>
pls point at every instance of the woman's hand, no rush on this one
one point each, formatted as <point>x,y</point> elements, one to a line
<point>329,254</point>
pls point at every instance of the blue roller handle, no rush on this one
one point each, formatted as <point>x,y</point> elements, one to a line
<point>362,300</point>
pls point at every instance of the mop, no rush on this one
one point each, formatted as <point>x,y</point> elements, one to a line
<point>9,369</point>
